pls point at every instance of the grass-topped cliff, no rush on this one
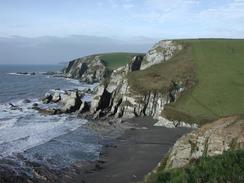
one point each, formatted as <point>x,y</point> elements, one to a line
<point>211,71</point>
<point>95,68</point>
<point>217,68</point>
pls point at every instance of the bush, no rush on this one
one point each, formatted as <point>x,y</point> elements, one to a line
<point>228,167</point>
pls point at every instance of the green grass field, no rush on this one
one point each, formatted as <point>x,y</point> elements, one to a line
<point>116,60</point>
<point>218,70</point>
<point>219,67</point>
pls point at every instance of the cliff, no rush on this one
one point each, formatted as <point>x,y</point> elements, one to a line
<point>88,69</point>
<point>95,68</point>
<point>116,97</point>
<point>195,150</point>
<point>210,140</point>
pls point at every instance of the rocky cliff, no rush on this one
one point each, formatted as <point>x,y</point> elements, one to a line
<point>88,69</point>
<point>160,52</point>
<point>114,97</point>
<point>209,140</point>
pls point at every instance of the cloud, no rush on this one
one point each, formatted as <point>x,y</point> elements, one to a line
<point>182,10</point>
<point>194,18</point>
<point>232,10</point>
<point>51,49</point>
<point>164,10</point>
<point>159,18</point>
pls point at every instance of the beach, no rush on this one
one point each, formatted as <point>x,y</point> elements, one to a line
<point>132,155</point>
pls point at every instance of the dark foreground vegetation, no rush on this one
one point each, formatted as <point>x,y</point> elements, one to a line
<point>228,167</point>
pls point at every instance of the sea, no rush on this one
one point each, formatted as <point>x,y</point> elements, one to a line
<point>56,141</point>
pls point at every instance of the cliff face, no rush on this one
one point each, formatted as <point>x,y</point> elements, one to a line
<point>114,97</point>
<point>160,52</point>
<point>209,140</point>
<point>88,69</point>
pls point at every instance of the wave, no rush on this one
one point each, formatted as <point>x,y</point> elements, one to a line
<point>21,74</point>
<point>26,128</point>
<point>14,73</point>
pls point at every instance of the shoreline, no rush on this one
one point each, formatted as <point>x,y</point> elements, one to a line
<point>131,149</point>
<point>131,155</point>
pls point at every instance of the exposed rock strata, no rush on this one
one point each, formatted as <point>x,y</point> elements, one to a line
<point>66,102</point>
<point>160,52</point>
<point>210,140</point>
<point>114,97</point>
<point>71,102</point>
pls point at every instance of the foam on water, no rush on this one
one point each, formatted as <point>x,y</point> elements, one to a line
<point>26,128</point>
<point>48,139</point>
<point>19,74</point>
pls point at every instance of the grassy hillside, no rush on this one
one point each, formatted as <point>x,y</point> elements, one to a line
<point>228,167</point>
<point>116,60</point>
<point>158,77</point>
<point>218,68</point>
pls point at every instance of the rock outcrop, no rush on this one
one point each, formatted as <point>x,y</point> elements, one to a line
<point>65,102</point>
<point>160,52</point>
<point>210,140</point>
<point>90,69</point>
<point>71,102</point>
<point>114,97</point>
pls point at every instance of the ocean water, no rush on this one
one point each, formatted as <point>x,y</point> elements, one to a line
<point>57,140</point>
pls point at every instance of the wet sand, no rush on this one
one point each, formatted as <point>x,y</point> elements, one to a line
<point>134,154</point>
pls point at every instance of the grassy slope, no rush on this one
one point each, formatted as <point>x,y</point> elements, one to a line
<point>116,60</point>
<point>220,74</point>
<point>228,167</point>
<point>158,77</point>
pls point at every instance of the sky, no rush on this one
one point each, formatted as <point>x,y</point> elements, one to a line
<point>42,22</point>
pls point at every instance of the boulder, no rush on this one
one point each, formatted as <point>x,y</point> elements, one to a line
<point>71,102</point>
<point>56,97</point>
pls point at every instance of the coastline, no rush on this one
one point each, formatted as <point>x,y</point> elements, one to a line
<point>131,155</point>
<point>131,149</point>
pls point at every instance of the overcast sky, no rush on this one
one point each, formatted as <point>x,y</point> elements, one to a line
<point>54,25</point>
